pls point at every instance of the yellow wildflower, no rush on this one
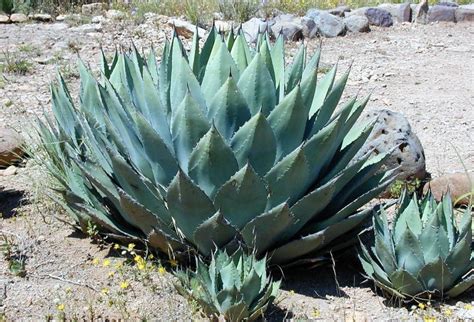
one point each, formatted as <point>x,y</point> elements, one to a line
<point>116,246</point>
<point>111,274</point>
<point>95,261</point>
<point>141,266</point>
<point>61,307</point>
<point>68,290</point>
<point>316,313</point>
<point>105,291</point>
<point>124,285</point>
<point>173,262</point>
<point>137,258</point>
<point>130,247</point>
<point>150,257</point>
<point>448,312</point>
<point>429,319</point>
<point>161,270</point>
<point>421,306</point>
<point>118,265</point>
<point>468,307</point>
<point>106,262</point>
<point>292,292</point>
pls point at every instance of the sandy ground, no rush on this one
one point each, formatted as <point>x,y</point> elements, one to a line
<point>424,72</point>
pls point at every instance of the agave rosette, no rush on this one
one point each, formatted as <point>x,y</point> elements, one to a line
<point>235,287</point>
<point>219,147</point>
<point>426,254</point>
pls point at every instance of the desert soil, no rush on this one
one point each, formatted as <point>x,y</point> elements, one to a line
<point>425,72</point>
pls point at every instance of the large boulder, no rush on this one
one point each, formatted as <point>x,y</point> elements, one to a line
<point>253,27</point>
<point>289,26</point>
<point>459,185</point>
<point>392,131</point>
<point>310,30</point>
<point>441,13</point>
<point>93,9</point>
<point>464,13</point>
<point>11,147</point>
<point>400,12</point>
<point>357,12</point>
<point>379,17</point>
<point>420,13</point>
<point>329,25</point>
<point>357,23</point>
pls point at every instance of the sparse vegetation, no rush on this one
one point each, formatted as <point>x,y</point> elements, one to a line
<point>12,254</point>
<point>15,63</point>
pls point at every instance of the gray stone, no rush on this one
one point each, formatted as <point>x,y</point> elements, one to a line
<point>18,18</point>
<point>339,11</point>
<point>329,25</point>
<point>441,13</point>
<point>289,26</point>
<point>93,9</point>
<point>400,12</point>
<point>115,14</point>
<point>464,13</point>
<point>421,12</point>
<point>357,23</point>
<point>98,19</point>
<point>356,12</point>
<point>11,147</point>
<point>185,29</point>
<point>88,28</point>
<point>379,17</point>
<point>448,4</point>
<point>4,19</point>
<point>43,17</point>
<point>310,30</point>
<point>392,130</point>
<point>253,27</point>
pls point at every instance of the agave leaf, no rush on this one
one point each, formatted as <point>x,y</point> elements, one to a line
<point>372,268</point>
<point>240,52</point>
<point>206,49</point>
<point>217,70</point>
<point>242,198</point>
<point>251,287</point>
<point>461,287</point>
<point>228,109</point>
<point>459,257</point>
<point>267,58</point>
<point>409,253</point>
<point>278,60</point>
<point>255,143</point>
<point>312,65</point>
<point>405,282</point>
<point>295,70</point>
<point>212,162</point>
<point>189,206</point>
<point>322,89</point>
<point>435,276</point>
<point>265,230</point>
<point>257,87</point>
<point>214,232</point>
<point>286,121</point>
<point>188,127</point>
<point>410,217</point>
<point>194,57</point>
<point>287,179</point>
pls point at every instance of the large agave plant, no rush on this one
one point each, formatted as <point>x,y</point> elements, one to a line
<point>222,146</point>
<point>234,287</point>
<point>425,254</point>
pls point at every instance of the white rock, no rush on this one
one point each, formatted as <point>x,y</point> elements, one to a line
<point>18,18</point>
<point>10,171</point>
<point>43,17</point>
<point>4,19</point>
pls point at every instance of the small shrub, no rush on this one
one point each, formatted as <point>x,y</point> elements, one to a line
<point>238,10</point>
<point>411,186</point>
<point>15,63</point>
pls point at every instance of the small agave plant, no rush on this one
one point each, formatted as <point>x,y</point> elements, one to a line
<point>426,253</point>
<point>234,287</point>
<point>223,146</point>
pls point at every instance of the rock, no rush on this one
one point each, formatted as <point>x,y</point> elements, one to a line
<point>253,27</point>
<point>221,25</point>
<point>392,130</point>
<point>379,17</point>
<point>464,14</point>
<point>339,11</point>
<point>10,171</point>
<point>459,184</point>
<point>448,4</point>
<point>88,28</point>
<point>356,12</point>
<point>357,23</point>
<point>310,30</point>
<point>11,144</point>
<point>115,15</point>
<point>98,19</point>
<point>4,19</point>
<point>93,9</point>
<point>18,18</point>
<point>289,26</point>
<point>329,25</point>
<point>421,12</point>
<point>61,18</point>
<point>399,12</point>
<point>441,13</point>
<point>43,17</point>
<point>185,29</point>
